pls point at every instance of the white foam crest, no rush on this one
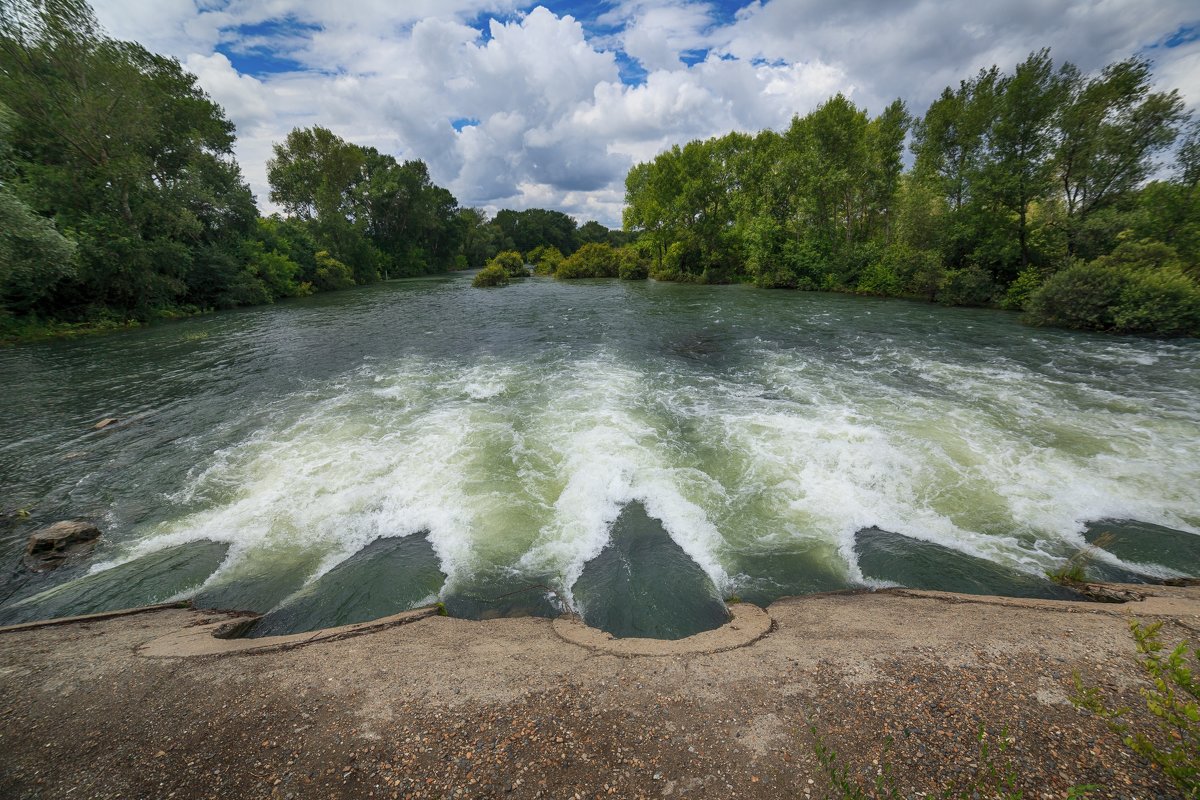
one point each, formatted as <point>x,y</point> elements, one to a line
<point>1003,465</point>
<point>607,454</point>
<point>384,455</point>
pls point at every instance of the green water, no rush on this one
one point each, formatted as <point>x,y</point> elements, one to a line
<point>760,430</point>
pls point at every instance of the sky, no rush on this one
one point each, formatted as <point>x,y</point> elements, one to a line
<point>519,105</point>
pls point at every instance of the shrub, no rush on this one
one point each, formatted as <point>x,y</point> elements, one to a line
<point>1138,288</point>
<point>1164,302</point>
<point>593,260</point>
<point>1019,292</point>
<point>491,275</point>
<point>330,273</point>
<point>511,262</point>
<point>545,259</point>
<point>970,286</point>
<point>878,278</point>
<point>630,266</point>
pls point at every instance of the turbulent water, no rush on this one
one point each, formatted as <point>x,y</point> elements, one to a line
<point>509,428</point>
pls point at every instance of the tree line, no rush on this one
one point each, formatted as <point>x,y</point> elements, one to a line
<point>1037,190</point>
<point>120,198</point>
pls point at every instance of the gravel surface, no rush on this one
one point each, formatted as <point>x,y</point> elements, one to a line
<point>507,708</point>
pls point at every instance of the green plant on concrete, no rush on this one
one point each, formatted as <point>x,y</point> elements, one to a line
<point>994,776</point>
<point>1173,698</point>
<point>847,786</point>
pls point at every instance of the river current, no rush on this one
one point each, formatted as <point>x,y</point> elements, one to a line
<point>763,431</point>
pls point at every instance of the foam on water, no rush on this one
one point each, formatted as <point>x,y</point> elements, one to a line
<point>522,461</point>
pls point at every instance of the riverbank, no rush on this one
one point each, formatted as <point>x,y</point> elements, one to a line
<point>433,706</point>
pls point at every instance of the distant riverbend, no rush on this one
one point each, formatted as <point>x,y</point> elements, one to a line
<point>611,444</point>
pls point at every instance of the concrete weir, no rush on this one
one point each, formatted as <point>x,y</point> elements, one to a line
<point>153,703</point>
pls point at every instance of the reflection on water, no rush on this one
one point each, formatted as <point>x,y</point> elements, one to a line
<point>761,430</point>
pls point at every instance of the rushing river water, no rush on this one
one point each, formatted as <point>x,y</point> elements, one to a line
<point>777,442</point>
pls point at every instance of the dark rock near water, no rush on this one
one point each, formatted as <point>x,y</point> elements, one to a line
<point>763,576</point>
<point>643,584</point>
<point>386,577</point>
<point>50,547</point>
<point>887,556</point>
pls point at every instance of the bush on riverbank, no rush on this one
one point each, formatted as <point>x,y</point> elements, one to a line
<point>631,265</point>
<point>593,260</point>
<point>546,259</point>
<point>1140,287</point>
<point>512,262</point>
<point>491,275</point>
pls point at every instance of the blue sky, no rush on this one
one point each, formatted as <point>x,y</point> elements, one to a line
<point>515,104</point>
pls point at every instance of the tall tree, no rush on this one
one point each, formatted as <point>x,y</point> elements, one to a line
<point>122,146</point>
<point>1019,164</point>
<point>1111,126</point>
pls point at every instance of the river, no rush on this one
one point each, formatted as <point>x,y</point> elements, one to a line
<point>504,431</point>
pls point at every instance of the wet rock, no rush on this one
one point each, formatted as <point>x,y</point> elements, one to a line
<point>884,555</point>
<point>643,584</point>
<point>153,578</point>
<point>50,547</point>
<point>503,592</point>
<point>1142,544</point>
<point>386,577</point>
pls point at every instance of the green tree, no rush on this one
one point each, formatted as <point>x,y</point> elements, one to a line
<point>314,175</point>
<point>1018,166</point>
<point>122,148</point>
<point>1111,126</point>
<point>34,256</point>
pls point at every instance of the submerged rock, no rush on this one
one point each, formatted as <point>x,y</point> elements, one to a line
<point>386,577</point>
<point>153,578</point>
<point>892,557</point>
<point>763,576</point>
<point>50,547</point>
<point>258,582</point>
<point>500,593</point>
<point>1143,543</point>
<point>643,584</point>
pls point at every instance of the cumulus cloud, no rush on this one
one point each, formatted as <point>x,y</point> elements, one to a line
<point>514,104</point>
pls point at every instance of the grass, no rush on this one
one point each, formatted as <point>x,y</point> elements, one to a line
<point>994,776</point>
<point>35,331</point>
<point>1172,698</point>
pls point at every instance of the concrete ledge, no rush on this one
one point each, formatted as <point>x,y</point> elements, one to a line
<point>748,623</point>
<point>206,639</point>
<point>121,612</point>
